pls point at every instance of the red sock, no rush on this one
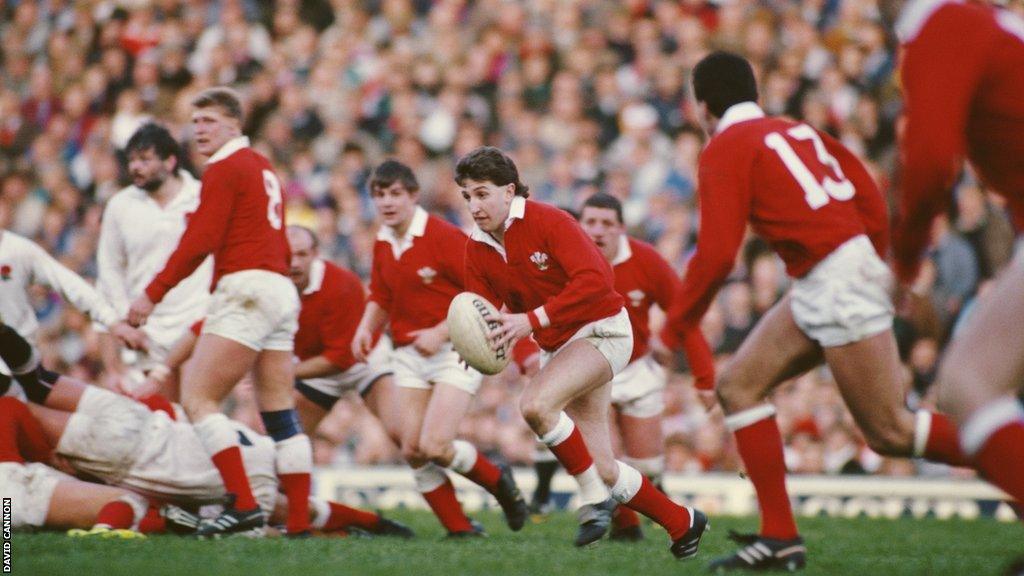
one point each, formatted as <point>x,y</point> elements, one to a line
<point>625,517</point>
<point>116,514</point>
<point>760,446</point>
<point>152,522</point>
<point>1001,459</point>
<point>943,443</point>
<point>232,472</point>
<point>652,503</point>
<point>484,473</point>
<point>344,516</point>
<point>573,453</point>
<point>296,489</point>
<point>446,507</point>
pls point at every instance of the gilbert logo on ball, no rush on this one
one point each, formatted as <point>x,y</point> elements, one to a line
<point>540,259</point>
<point>471,318</point>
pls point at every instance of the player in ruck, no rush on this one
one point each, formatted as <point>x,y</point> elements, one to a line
<point>535,260</point>
<point>814,202</point>
<point>962,73</point>
<point>252,316</point>
<point>418,267</point>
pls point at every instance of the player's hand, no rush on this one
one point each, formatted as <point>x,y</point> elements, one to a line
<point>131,337</point>
<point>510,328</point>
<point>362,344</point>
<point>140,310</point>
<point>429,341</point>
<point>661,353</point>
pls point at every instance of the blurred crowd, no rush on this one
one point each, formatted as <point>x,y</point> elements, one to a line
<point>586,95</point>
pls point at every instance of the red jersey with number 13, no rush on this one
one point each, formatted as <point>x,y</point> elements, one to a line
<point>802,191</point>
<point>240,220</point>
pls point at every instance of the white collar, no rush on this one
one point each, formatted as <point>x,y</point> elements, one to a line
<point>913,17</point>
<point>317,271</point>
<point>417,228</point>
<point>516,211</point>
<point>229,148</point>
<point>737,113</point>
<point>625,251</point>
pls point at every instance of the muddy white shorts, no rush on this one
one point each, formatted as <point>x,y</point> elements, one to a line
<point>845,297</point>
<point>30,487</point>
<point>612,336</point>
<point>415,371</point>
<point>256,308</point>
<point>639,390</point>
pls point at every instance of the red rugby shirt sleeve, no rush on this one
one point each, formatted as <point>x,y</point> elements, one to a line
<point>475,278</point>
<point>941,71</point>
<point>380,292</point>
<point>724,210</point>
<point>589,274</point>
<point>205,233</point>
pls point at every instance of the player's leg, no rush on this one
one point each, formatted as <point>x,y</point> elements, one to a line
<point>775,351</point>
<point>218,363</point>
<point>294,453</point>
<point>869,376</point>
<point>381,399</point>
<point>40,385</point>
<point>980,376</point>
<point>328,516</point>
<point>310,413</point>
<point>78,504</point>
<point>53,422</point>
<point>545,464</point>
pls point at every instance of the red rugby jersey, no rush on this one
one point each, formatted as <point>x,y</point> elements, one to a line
<point>240,220</point>
<point>963,83</point>
<point>548,267</point>
<point>21,437</point>
<point>415,278</point>
<point>644,279</point>
<point>332,305</point>
<point>802,191</point>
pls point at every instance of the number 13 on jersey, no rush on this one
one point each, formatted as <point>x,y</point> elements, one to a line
<point>816,193</point>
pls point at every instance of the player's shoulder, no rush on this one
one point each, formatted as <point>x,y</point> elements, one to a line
<point>339,276</point>
<point>123,198</point>
<point>939,16</point>
<point>643,250</point>
<point>439,227</point>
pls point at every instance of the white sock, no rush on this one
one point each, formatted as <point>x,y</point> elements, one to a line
<point>294,455</point>
<point>592,489</point>
<point>745,418</point>
<point>465,457</point>
<point>922,429</point>
<point>321,513</point>
<point>985,421</point>
<point>216,433</point>
<point>429,477</point>
<point>629,482</point>
<point>652,467</point>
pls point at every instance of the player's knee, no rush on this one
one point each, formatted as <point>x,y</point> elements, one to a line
<point>732,395</point>
<point>538,416</point>
<point>890,440</point>
<point>412,453</point>
<point>437,450</point>
<point>197,407</point>
<point>607,470</point>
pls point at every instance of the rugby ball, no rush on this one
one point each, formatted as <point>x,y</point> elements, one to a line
<point>470,319</point>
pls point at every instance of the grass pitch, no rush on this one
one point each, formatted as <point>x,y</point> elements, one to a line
<point>858,547</point>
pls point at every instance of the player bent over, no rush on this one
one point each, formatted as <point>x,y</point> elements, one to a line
<point>418,267</point>
<point>252,316</point>
<point>976,52</point>
<point>535,260</point>
<point>42,496</point>
<point>817,206</point>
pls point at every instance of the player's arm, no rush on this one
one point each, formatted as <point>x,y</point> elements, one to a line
<point>204,234</point>
<point>166,378</point>
<point>664,283</point>
<point>576,253</point>
<point>111,263</point>
<point>724,210</point>
<point>941,71</point>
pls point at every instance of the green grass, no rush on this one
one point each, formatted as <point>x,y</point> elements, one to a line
<point>859,547</point>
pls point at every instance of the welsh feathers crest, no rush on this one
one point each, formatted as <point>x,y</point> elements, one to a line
<point>540,259</point>
<point>427,274</point>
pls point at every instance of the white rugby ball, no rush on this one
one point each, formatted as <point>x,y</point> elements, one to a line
<point>470,318</point>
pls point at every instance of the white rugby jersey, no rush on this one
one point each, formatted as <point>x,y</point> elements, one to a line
<point>24,263</point>
<point>136,238</point>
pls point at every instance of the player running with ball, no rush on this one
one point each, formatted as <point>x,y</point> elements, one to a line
<point>536,261</point>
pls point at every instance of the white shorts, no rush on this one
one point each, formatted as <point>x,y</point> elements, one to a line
<point>121,442</point>
<point>256,308</point>
<point>414,371</point>
<point>845,297</point>
<point>30,487</point>
<point>612,336</point>
<point>359,378</point>
<point>639,390</point>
